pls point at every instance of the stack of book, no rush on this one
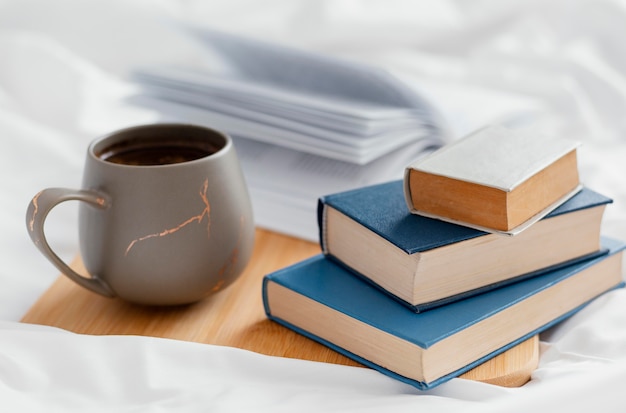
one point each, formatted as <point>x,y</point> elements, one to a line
<point>425,293</point>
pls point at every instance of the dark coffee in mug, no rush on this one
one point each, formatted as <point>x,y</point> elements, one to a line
<point>158,151</point>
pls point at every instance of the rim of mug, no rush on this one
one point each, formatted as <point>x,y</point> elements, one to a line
<point>125,133</point>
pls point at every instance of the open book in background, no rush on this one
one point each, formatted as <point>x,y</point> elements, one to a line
<point>304,124</point>
<point>298,100</point>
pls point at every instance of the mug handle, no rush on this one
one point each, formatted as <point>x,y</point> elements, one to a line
<point>36,214</point>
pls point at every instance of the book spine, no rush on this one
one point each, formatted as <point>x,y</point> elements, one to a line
<point>407,190</point>
<point>321,224</point>
<point>266,304</point>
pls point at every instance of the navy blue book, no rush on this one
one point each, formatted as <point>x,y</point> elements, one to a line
<point>426,262</point>
<point>322,300</point>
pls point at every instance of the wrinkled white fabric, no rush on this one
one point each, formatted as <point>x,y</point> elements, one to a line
<point>63,67</point>
<point>53,370</point>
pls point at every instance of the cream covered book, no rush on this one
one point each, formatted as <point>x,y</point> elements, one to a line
<point>495,179</point>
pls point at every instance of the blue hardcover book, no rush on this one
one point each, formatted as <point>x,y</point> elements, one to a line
<point>426,262</point>
<point>326,302</point>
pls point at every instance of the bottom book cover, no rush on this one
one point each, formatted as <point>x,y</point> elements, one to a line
<point>327,303</point>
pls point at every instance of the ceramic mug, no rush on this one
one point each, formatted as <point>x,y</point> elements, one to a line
<point>165,216</point>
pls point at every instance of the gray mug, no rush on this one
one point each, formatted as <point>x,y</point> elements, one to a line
<point>165,217</point>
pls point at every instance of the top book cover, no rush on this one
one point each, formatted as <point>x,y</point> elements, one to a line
<point>495,179</point>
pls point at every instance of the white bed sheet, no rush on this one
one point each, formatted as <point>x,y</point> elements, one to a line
<point>62,82</point>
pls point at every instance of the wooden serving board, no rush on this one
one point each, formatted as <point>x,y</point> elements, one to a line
<point>233,317</point>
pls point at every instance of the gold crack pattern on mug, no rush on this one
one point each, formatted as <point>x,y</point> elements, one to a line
<point>205,212</point>
<point>31,222</point>
<point>35,202</point>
